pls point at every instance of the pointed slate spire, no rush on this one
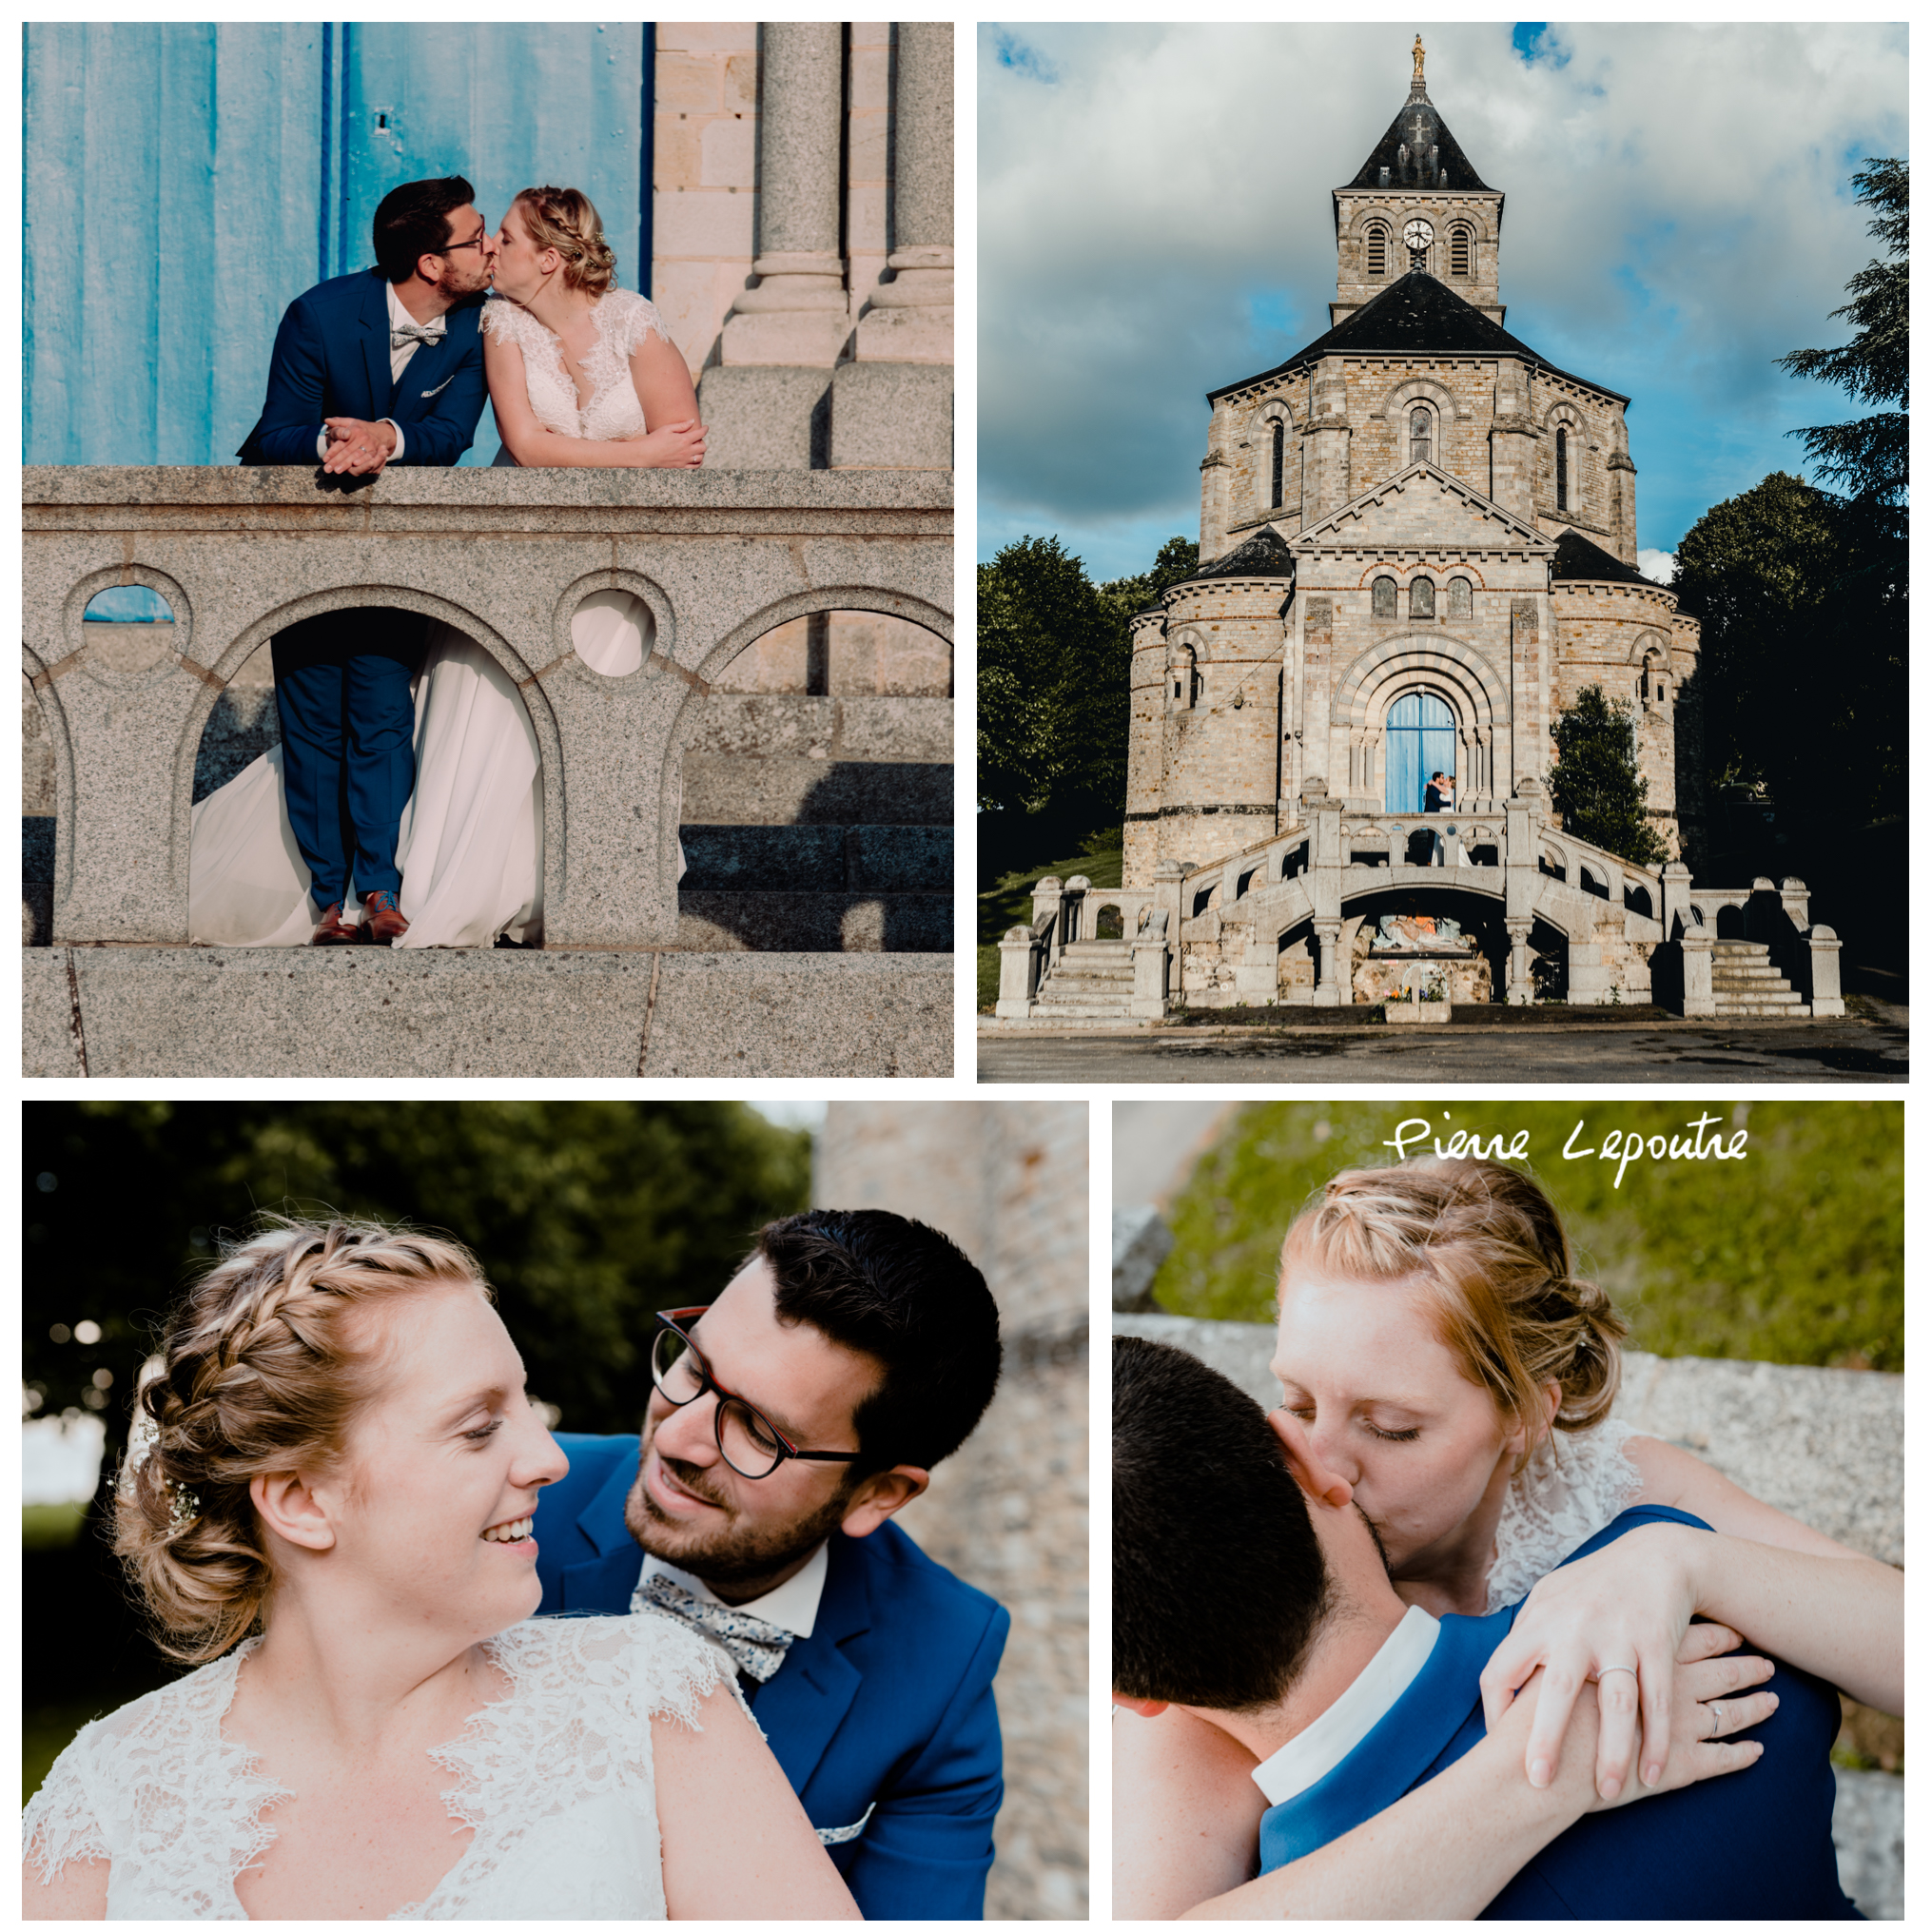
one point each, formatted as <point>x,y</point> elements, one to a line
<point>1418,151</point>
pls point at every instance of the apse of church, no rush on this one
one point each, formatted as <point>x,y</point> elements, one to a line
<point>1418,546</point>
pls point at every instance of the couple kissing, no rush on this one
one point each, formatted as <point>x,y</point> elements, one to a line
<point>1471,1649</point>
<point>453,1665</point>
<point>404,806</point>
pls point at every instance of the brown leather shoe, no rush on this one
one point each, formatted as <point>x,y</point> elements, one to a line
<point>332,931</point>
<point>382,922</point>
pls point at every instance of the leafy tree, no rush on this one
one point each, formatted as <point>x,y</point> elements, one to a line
<point>587,1216</point>
<point>1179,559</point>
<point>1597,786</point>
<point>1053,670</point>
<point>1869,456</point>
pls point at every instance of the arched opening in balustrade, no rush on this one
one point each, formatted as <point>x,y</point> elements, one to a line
<point>469,837</point>
<point>1637,900</point>
<point>1731,922</point>
<point>1456,931</point>
<point>1586,878</point>
<point>1108,924</point>
<point>1297,961</point>
<point>817,805</point>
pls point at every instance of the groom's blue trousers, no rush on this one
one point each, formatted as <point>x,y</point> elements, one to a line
<point>348,754</point>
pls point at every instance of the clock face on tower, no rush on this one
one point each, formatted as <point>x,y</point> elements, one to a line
<point>1418,234</point>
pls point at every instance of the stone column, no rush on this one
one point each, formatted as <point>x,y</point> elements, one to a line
<point>1328,985</point>
<point>1328,430</point>
<point>1018,974</point>
<point>1699,1001</point>
<point>892,404</point>
<point>1149,998</point>
<point>765,405</point>
<point>1521,991</point>
<point>1827,1000</point>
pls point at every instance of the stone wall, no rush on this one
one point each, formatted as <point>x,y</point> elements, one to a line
<point>1008,1181</point>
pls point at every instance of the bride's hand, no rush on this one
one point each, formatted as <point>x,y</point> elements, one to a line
<point>1616,1618</point>
<point>1713,1701</point>
<point>676,446</point>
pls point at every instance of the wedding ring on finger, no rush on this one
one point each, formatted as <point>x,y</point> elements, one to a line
<point>1604,1671</point>
<point>1716,1721</point>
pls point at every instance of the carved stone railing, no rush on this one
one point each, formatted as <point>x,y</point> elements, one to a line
<point>506,555</point>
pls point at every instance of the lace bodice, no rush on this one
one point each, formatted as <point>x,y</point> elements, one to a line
<point>1564,1496</point>
<point>624,321</point>
<point>555,1780</point>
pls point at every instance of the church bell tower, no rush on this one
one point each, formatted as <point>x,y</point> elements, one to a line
<point>1417,203</point>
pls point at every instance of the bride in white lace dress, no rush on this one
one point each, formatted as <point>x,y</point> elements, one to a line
<point>1445,1369</point>
<point>331,1503</point>
<point>582,374</point>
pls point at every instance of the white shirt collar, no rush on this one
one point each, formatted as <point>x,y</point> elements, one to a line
<point>1311,1754</point>
<point>794,1605</point>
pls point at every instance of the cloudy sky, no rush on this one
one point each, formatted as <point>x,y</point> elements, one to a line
<point>1155,222</point>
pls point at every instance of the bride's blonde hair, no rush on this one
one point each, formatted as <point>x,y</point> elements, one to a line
<point>563,218</point>
<point>263,1368</point>
<point>1491,1247</point>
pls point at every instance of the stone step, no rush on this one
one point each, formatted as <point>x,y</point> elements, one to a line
<point>1072,1011</point>
<point>817,858</point>
<point>1100,950</point>
<point>1752,1011</point>
<point>814,921</point>
<point>722,789</point>
<point>766,724</point>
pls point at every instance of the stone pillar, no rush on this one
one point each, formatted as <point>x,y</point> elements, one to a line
<point>1512,443</point>
<point>765,405</point>
<point>1328,989</point>
<point>1521,991</point>
<point>1675,910</point>
<point>1149,998</point>
<point>1045,900</point>
<point>1073,908</point>
<point>1699,1001</point>
<point>1019,973</point>
<point>892,404</point>
<point>1826,1001</point>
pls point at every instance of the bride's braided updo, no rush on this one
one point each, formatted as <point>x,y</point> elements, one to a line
<point>1486,1241</point>
<point>263,1369</point>
<point>563,218</point>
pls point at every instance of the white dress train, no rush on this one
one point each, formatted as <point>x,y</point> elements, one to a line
<point>469,844</point>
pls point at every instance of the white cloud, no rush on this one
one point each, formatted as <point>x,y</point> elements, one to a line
<point>1660,566</point>
<point>1155,220</point>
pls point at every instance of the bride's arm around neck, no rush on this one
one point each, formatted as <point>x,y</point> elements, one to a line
<point>738,1843</point>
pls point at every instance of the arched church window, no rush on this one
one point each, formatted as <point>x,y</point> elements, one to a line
<point>1459,250</point>
<point>1421,598</point>
<point>1384,590</point>
<point>1562,469</point>
<point>1458,597</point>
<point>1275,482</point>
<point>1378,239</point>
<point>1419,435</point>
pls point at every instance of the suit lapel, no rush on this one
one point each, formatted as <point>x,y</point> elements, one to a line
<point>375,323</point>
<point>606,1582</point>
<point>804,1704</point>
<point>1392,1759</point>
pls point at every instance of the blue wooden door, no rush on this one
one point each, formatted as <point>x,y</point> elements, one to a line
<point>1419,739</point>
<point>185,183</point>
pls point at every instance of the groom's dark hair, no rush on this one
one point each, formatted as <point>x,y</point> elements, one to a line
<point>414,220</point>
<point>1218,1582</point>
<point>901,1293</point>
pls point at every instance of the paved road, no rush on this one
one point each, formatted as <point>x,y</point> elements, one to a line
<point>1846,1051</point>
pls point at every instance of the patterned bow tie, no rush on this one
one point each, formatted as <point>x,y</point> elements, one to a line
<point>430,332</point>
<point>757,1647</point>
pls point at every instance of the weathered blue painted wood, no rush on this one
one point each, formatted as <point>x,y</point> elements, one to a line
<point>185,183</point>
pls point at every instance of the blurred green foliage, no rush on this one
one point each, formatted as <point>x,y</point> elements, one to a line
<point>1793,1254</point>
<point>588,1215</point>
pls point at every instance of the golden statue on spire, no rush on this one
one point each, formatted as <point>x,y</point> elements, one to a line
<point>1419,60</point>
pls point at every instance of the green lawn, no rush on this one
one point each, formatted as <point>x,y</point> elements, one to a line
<point>1793,1254</point>
<point>1008,899</point>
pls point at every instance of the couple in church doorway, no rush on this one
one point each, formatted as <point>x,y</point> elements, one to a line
<point>404,805</point>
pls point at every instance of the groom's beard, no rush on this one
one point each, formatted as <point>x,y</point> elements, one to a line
<point>1381,1547</point>
<point>728,1555</point>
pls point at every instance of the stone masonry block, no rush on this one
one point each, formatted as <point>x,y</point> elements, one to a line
<point>677,152</point>
<point>686,85</point>
<point>764,858</point>
<point>772,725</point>
<point>741,84</point>
<point>704,224</point>
<point>707,36</point>
<point>899,858</point>
<point>814,921</point>
<point>892,416</point>
<point>765,417</point>
<point>812,792</point>
<point>911,727</point>
<point>731,153</point>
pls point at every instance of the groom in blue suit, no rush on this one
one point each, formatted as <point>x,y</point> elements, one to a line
<point>790,1420</point>
<point>1306,1583</point>
<point>382,366</point>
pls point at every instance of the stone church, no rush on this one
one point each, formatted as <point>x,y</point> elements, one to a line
<point>1418,546</point>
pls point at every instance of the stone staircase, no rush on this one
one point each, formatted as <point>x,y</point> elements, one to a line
<point>1745,985</point>
<point>1094,979</point>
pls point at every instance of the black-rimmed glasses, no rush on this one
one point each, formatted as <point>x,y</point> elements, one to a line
<point>475,241</point>
<point>749,1442</point>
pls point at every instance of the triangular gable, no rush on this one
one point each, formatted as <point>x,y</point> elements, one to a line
<point>1373,521</point>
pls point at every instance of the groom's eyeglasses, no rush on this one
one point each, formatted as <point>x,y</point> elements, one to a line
<point>475,241</point>
<point>749,1442</point>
